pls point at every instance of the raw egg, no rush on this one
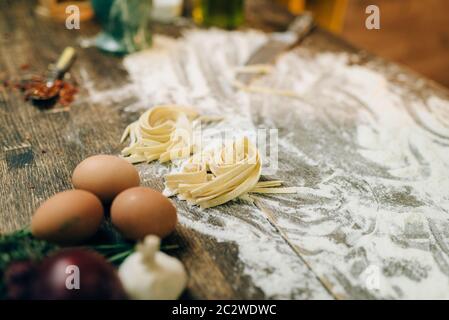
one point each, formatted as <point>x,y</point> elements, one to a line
<point>105,176</point>
<point>141,211</point>
<point>68,217</point>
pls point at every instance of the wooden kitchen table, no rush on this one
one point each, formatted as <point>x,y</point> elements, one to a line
<point>317,244</point>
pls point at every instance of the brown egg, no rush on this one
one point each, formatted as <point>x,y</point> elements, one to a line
<point>141,211</point>
<point>68,217</point>
<point>105,175</point>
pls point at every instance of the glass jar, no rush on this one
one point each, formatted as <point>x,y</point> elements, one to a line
<point>329,14</point>
<point>125,23</point>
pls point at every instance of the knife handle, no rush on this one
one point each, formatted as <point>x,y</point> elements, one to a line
<point>66,59</point>
<point>302,24</point>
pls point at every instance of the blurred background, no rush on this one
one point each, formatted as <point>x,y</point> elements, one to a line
<point>412,32</point>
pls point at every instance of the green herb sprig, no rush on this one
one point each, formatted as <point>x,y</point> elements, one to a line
<point>18,246</point>
<point>21,245</point>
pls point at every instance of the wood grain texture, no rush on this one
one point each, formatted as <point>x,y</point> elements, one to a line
<point>39,150</point>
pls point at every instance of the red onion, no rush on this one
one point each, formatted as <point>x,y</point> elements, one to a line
<point>77,274</point>
<point>19,278</point>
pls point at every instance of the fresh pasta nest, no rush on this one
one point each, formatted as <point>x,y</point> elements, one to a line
<point>214,177</point>
<point>162,133</point>
<point>208,178</point>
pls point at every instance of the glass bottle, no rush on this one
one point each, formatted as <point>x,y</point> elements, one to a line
<point>226,14</point>
<point>329,14</point>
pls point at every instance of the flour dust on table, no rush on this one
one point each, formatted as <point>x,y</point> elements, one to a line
<point>369,158</point>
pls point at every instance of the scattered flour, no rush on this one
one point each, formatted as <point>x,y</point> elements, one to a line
<point>371,160</point>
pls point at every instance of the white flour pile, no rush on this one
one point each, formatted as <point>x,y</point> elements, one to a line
<point>371,215</point>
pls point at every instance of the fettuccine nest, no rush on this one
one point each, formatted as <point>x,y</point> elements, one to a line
<point>208,178</point>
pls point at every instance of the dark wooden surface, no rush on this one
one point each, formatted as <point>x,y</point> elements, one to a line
<point>413,32</point>
<point>39,150</point>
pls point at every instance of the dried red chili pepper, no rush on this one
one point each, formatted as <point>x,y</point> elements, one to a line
<point>36,86</point>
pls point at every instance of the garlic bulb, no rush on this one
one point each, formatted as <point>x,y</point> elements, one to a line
<point>149,274</point>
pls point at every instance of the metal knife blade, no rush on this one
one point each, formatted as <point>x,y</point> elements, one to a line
<point>278,43</point>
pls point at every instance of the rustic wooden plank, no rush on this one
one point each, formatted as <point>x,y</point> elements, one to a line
<point>422,29</point>
<point>59,140</point>
<point>331,170</point>
<point>47,145</point>
<point>41,148</point>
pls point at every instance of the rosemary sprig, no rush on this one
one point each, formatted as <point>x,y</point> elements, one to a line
<point>116,253</point>
<point>119,257</point>
<point>20,245</point>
